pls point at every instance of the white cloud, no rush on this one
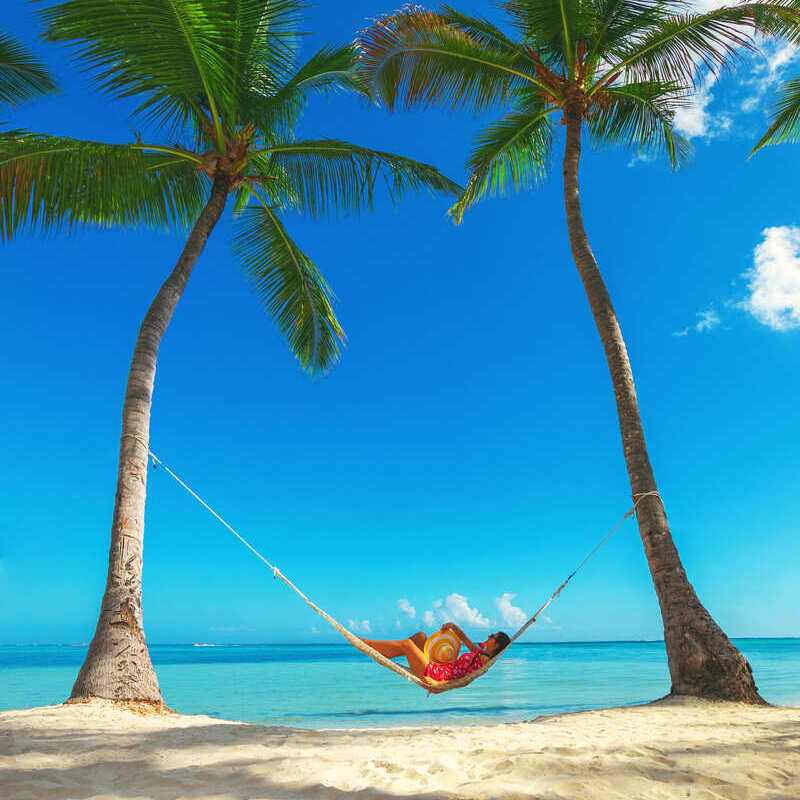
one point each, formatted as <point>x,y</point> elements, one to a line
<point>641,158</point>
<point>694,120</point>
<point>547,623</point>
<point>407,608</point>
<point>357,626</point>
<point>774,280</point>
<point>750,104</point>
<point>768,70</point>
<point>703,6</point>
<point>457,607</point>
<point>454,608</point>
<point>773,284</point>
<point>511,614</point>
<point>779,55</point>
<point>707,321</point>
<point>748,91</point>
<point>314,629</point>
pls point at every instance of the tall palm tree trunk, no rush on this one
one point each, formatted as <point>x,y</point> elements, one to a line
<point>118,665</point>
<point>702,660</point>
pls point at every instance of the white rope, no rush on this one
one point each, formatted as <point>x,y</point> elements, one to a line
<point>275,571</point>
<point>359,643</point>
<point>477,673</point>
<point>356,641</point>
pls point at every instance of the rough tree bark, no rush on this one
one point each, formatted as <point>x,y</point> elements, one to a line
<point>118,665</point>
<point>702,660</point>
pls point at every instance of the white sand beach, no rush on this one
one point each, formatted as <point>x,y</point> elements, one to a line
<point>671,749</point>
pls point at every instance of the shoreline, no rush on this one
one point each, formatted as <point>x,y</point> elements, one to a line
<point>668,748</point>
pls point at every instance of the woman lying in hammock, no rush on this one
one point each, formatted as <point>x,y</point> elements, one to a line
<point>435,674</point>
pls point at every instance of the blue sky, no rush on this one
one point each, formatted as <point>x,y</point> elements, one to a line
<point>465,454</point>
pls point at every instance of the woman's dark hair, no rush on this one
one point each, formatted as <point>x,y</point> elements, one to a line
<point>502,640</point>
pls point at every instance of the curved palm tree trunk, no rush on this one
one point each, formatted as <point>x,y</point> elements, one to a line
<point>118,665</point>
<point>702,660</point>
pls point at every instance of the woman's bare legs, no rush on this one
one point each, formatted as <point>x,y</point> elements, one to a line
<point>411,648</point>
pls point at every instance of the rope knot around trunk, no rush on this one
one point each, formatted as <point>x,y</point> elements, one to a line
<point>639,496</point>
<point>138,438</point>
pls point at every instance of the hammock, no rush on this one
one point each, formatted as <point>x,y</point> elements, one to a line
<point>359,643</point>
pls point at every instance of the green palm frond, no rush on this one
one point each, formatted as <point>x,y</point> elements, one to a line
<point>241,197</point>
<point>510,155</point>
<point>777,18</point>
<point>640,117</point>
<point>618,21</point>
<point>261,51</point>
<point>52,183</point>
<point>328,175</point>
<point>22,75</point>
<point>675,48</point>
<point>169,54</point>
<point>418,56</point>
<point>272,182</point>
<point>289,287</point>
<point>538,22</point>
<point>552,29</point>
<point>481,30</point>
<point>222,76</point>
<point>785,120</point>
<point>330,69</point>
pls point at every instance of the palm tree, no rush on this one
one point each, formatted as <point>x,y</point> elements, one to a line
<point>221,83</point>
<point>617,69</point>
<point>23,77</point>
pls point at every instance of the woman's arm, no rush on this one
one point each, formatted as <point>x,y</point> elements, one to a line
<point>468,643</point>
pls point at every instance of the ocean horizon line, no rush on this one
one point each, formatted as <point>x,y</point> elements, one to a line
<point>347,644</point>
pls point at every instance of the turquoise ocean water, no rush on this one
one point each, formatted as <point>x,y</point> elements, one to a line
<point>334,686</point>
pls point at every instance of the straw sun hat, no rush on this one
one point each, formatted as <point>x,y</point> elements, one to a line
<point>442,647</point>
